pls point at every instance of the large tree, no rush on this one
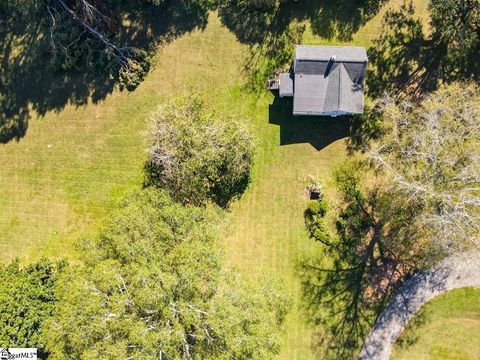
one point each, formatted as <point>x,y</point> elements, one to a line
<point>198,155</point>
<point>27,301</point>
<point>431,151</point>
<point>154,287</point>
<point>376,245</point>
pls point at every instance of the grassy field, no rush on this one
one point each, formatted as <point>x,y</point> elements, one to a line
<point>447,328</point>
<point>59,181</point>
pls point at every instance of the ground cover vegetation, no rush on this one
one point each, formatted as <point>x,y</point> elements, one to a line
<point>366,252</point>
<point>153,281</point>
<point>419,204</point>
<point>440,329</point>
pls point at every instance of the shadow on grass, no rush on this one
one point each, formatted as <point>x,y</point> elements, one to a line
<point>253,22</point>
<point>272,28</point>
<point>401,60</point>
<point>412,332</point>
<point>321,131</point>
<point>30,82</point>
<point>407,60</point>
<point>318,131</point>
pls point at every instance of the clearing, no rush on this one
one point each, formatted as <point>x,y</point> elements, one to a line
<point>59,181</point>
<point>446,328</point>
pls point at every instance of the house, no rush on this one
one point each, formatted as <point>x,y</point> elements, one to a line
<point>326,80</point>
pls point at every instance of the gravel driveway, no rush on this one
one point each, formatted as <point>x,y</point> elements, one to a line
<point>454,272</point>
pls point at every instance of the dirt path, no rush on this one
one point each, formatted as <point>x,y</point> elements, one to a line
<point>454,272</point>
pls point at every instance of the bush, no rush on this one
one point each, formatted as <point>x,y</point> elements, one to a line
<point>314,220</point>
<point>198,156</point>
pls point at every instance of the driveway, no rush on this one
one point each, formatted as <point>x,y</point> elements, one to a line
<point>457,271</point>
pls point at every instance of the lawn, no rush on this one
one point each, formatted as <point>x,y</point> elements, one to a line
<point>74,164</point>
<point>446,328</point>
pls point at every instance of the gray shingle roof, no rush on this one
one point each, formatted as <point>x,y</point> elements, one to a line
<point>322,86</point>
<point>342,53</point>
<point>286,84</point>
<point>325,94</point>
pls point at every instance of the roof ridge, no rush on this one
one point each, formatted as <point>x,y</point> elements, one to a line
<point>340,84</point>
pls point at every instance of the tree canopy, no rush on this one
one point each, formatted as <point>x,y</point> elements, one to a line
<point>432,153</point>
<point>198,155</point>
<point>27,301</point>
<point>409,59</point>
<point>154,286</point>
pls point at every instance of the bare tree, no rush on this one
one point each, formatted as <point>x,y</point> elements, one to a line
<point>432,154</point>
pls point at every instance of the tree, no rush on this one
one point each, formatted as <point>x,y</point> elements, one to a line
<point>198,155</point>
<point>82,33</point>
<point>407,59</point>
<point>456,31</point>
<point>376,246</point>
<point>154,286</point>
<point>432,153</point>
<point>27,301</point>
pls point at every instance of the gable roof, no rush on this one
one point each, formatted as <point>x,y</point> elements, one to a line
<point>323,86</point>
<point>324,53</point>
<point>315,93</point>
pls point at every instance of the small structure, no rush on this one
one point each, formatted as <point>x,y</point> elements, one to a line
<point>326,80</point>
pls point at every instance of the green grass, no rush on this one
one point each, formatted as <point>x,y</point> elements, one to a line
<point>446,328</point>
<point>59,181</point>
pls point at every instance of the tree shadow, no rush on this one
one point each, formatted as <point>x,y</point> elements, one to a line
<point>332,299</point>
<point>30,82</point>
<point>272,28</point>
<point>403,311</point>
<point>411,334</point>
<point>364,128</point>
<point>406,60</point>
<point>396,59</point>
<point>346,288</point>
<point>252,22</point>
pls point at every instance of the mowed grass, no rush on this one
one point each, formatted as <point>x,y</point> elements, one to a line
<point>62,178</point>
<point>447,328</point>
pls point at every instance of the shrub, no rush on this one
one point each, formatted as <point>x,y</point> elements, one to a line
<point>314,220</point>
<point>196,155</point>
